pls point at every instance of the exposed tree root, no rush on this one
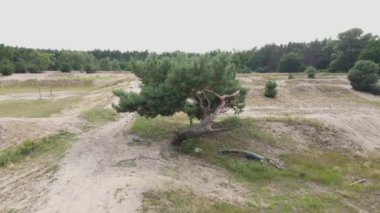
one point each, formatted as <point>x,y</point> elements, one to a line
<point>252,156</point>
<point>246,154</point>
<point>359,181</point>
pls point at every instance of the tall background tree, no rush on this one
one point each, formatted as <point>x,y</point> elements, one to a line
<point>371,51</point>
<point>291,62</point>
<point>328,54</point>
<point>347,49</point>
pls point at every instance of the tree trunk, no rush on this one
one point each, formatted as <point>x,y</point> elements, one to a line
<point>205,126</point>
<point>197,130</point>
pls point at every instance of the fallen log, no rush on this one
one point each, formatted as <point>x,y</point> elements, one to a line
<point>246,154</point>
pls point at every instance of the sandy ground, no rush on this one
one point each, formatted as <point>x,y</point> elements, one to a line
<point>328,99</point>
<point>104,171</point>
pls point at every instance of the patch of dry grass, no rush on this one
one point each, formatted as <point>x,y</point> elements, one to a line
<point>35,108</point>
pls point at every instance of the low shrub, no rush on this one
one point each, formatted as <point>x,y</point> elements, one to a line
<point>364,76</point>
<point>6,67</point>
<point>310,71</point>
<point>270,89</point>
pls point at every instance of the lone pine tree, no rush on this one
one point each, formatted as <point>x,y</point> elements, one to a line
<point>202,86</point>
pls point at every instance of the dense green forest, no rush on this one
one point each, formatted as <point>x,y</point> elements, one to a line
<point>335,55</point>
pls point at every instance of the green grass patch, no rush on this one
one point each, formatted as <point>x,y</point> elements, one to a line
<point>34,148</point>
<point>35,108</point>
<point>250,171</point>
<point>99,115</point>
<point>306,202</point>
<point>159,128</point>
<point>332,168</point>
<point>179,201</point>
<point>316,168</point>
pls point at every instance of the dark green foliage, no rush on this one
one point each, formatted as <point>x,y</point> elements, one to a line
<point>291,76</point>
<point>290,62</point>
<point>311,71</point>
<point>364,76</point>
<point>115,66</point>
<point>6,67</point>
<point>65,67</point>
<point>20,67</point>
<point>337,55</point>
<point>40,61</point>
<point>376,89</point>
<point>169,83</point>
<point>242,59</point>
<point>270,89</point>
<point>32,68</point>
<point>371,51</point>
<point>105,64</point>
<point>90,65</point>
<point>347,49</point>
<point>266,58</point>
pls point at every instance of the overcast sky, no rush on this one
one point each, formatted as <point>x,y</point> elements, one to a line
<point>167,25</point>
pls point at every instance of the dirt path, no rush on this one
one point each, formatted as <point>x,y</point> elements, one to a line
<point>88,181</point>
<point>103,173</point>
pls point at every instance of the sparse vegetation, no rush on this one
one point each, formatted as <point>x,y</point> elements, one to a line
<point>270,89</point>
<point>291,76</point>
<point>158,128</point>
<point>33,148</point>
<point>100,115</point>
<point>331,172</point>
<point>35,108</point>
<point>180,201</point>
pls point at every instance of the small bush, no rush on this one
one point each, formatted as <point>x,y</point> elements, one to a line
<point>270,89</point>
<point>6,67</point>
<point>27,147</point>
<point>291,76</point>
<point>364,76</point>
<point>310,71</point>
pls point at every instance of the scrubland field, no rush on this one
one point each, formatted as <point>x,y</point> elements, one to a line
<point>63,148</point>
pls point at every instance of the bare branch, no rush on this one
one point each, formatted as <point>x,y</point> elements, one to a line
<point>214,94</point>
<point>231,95</point>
